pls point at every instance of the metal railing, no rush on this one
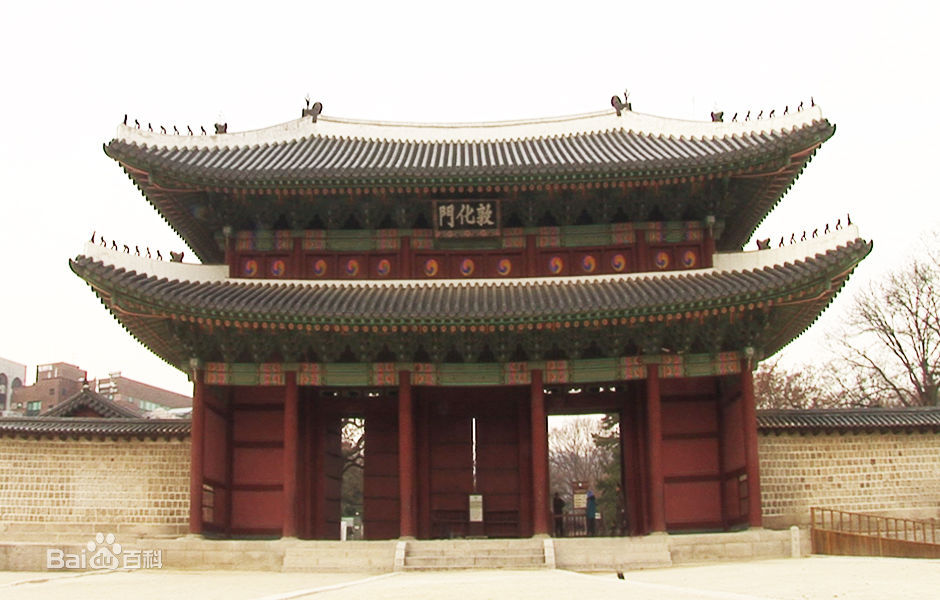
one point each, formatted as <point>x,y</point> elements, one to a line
<point>860,534</point>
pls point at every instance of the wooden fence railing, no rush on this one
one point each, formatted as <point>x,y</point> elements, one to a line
<point>859,534</point>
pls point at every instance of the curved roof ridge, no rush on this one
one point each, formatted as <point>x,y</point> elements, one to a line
<point>541,128</point>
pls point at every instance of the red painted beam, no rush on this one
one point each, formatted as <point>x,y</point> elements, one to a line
<point>289,527</point>
<point>654,439</point>
<point>749,410</point>
<point>540,507</point>
<point>407,468</point>
<point>197,453</point>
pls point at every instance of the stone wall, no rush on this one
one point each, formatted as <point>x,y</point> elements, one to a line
<point>56,486</point>
<point>120,484</point>
<point>885,472</point>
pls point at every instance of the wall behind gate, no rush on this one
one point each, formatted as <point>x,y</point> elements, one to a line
<point>83,484</point>
<point>93,484</point>
<point>864,471</point>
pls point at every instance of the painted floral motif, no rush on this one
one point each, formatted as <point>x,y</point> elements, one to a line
<point>250,268</point>
<point>466,267</point>
<point>618,262</point>
<point>383,268</point>
<point>589,264</point>
<point>662,259</point>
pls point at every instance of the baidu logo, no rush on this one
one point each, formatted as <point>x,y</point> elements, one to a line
<point>104,553</point>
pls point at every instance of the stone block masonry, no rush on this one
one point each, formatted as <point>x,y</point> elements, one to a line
<point>68,487</point>
<point>885,472</point>
<point>51,486</point>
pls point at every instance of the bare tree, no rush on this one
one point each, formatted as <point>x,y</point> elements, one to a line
<point>573,455</point>
<point>893,351</point>
<point>809,386</point>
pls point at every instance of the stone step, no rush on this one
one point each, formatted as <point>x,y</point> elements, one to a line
<point>522,551</point>
<point>474,554</point>
<point>475,562</point>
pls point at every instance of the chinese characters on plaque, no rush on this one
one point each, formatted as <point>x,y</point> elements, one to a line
<point>466,218</point>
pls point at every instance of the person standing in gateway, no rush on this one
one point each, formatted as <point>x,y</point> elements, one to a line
<point>558,508</point>
<point>590,512</point>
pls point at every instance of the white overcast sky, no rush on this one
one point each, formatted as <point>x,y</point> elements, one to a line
<point>72,70</point>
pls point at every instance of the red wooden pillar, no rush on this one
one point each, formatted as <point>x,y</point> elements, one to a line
<point>752,459</point>
<point>708,246</point>
<point>289,527</point>
<point>654,439</point>
<point>531,255</point>
<point>197,453</point>
<point>539,457</point>
<point>405,257</point>
<point>407,468</point>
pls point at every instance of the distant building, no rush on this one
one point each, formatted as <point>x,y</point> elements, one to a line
<point>145,397</point>
<point>88,404</point>
<point>12,376</point>
<point>55,382</point>
<point>58,382</point>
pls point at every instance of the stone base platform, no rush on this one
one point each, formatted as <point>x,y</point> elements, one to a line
<point>292,555</point>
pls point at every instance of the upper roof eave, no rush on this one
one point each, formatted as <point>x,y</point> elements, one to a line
<point>497,131</point>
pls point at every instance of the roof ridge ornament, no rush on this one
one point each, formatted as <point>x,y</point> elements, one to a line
<point>312,111</point>
<point>621,106</point>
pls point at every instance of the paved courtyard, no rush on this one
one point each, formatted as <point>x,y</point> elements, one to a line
<point>813,578</point>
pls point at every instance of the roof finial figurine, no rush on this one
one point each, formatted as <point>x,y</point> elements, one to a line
<point>763,244</point>
<point>792,238</point>
<point>104,244</point>
<point>150,127</point>
<point>816,232</point>
<point>93,236</point>
<point>137,123</point>
<point>621,106</point>
<point>159,256</point>
<point>718,117</point>
<point>125,118</point>
<point>311,111</point>
<point>760,115</point>
<point>826,230</point>
<point>786,109</point>
<point>189,129</point>
<point>800,107</point>
<point>175,130</point>
<point>838,224</point>
<point>780,245</point>
<point>848,219</point>
<point>734,119</point>
<point>770,115</point>
<point>163,130</point>
<point>803,237</point>
<point>747,117</point>
<point>137,250</point>
<point>221,127</point>
<point>148,252</point>
<point>114,245</point>
<point>126,249</point>
<point>176,256</point>
<point>812,101</point>
<point>202,129</point>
